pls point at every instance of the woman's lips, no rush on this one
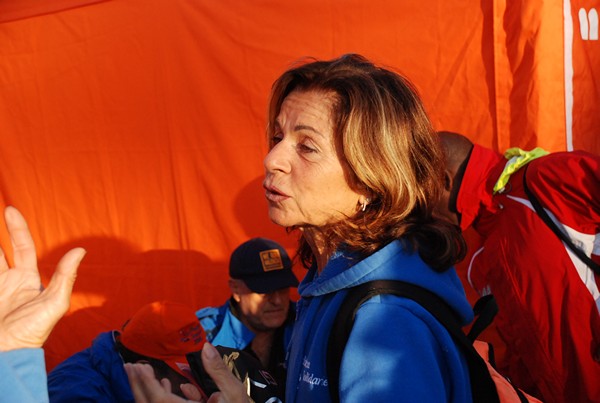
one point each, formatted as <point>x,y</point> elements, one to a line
<point>274,195</point>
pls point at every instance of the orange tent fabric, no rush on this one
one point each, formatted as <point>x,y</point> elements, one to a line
<point>136,128</point>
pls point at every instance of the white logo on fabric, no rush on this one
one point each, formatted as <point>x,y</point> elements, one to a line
<point>588,24</point>
<point>310,378</point>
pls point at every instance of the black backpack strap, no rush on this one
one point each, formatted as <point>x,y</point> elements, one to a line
<point>482,385</point>
<point>340,331</point>
<point>539,209</point>
<point>485,310</point>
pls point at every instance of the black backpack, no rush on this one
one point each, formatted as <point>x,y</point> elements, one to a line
<point>484,379</point>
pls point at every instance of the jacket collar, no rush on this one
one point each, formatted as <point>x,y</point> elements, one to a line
<point>475,192</point>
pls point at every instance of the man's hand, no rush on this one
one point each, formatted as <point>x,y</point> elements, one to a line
<point>147,389</point>
<point>28,312</point>
<point>231,390</point>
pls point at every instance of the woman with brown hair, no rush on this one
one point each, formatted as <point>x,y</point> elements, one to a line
<point>355,166</point>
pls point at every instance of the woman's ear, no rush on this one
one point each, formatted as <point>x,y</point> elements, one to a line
<point>363,202</point>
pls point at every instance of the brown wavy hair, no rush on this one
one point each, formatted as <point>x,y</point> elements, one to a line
<point>390,150</point>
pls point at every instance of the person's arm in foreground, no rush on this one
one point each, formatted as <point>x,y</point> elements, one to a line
<point>28,312</point>
<point>147,389</point>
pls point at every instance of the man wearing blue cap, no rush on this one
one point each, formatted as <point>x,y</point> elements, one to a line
<point>258,317</point>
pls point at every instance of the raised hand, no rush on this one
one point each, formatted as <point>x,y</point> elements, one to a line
<point>28,311</point>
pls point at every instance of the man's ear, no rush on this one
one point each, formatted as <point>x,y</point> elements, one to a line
<point>447,180</point>
<point>234,286</point>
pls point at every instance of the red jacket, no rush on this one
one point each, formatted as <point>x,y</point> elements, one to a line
<point>549,300</point>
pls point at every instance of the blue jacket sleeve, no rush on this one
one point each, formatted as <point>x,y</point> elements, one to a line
<point>398,352</point>
<point>89,377</point>
<point>23,376</point>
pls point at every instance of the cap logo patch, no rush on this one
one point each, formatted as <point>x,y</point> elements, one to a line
<point>271,260</point>
<point>191,333</point>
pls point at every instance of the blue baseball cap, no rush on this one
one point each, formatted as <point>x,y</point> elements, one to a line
<point>263,265</point>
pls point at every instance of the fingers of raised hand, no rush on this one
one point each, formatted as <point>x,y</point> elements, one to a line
<point>3,262</point>
<point>20,237</point>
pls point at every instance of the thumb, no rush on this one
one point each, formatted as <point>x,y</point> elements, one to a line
<point>63,279</point>
<point>232,389</point>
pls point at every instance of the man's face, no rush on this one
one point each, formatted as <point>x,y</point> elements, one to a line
<point>442,208</point>
<point>261,312</point>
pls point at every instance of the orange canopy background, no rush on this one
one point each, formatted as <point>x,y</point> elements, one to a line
<point>135,128</point>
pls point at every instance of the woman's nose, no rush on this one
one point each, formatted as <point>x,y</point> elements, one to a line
<point>277,159</point>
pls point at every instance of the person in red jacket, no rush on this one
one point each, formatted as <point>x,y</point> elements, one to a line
<point>548,298</point>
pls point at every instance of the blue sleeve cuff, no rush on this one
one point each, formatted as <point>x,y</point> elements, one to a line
<point>23,376</point>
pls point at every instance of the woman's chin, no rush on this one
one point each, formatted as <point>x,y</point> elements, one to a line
<point>278,219</point>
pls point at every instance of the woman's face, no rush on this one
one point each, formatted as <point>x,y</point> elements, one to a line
<point>304,179</point>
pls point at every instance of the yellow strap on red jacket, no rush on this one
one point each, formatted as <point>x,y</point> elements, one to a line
<point>517,158</point>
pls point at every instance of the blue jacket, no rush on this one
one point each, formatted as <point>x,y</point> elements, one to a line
<point>222,328</point>
<point>95,374</point>
<point>23,376</point>
<point>396,350</point>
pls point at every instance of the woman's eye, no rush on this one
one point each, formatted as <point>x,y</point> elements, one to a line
<point>276,138</point>
<point>306,148</point>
